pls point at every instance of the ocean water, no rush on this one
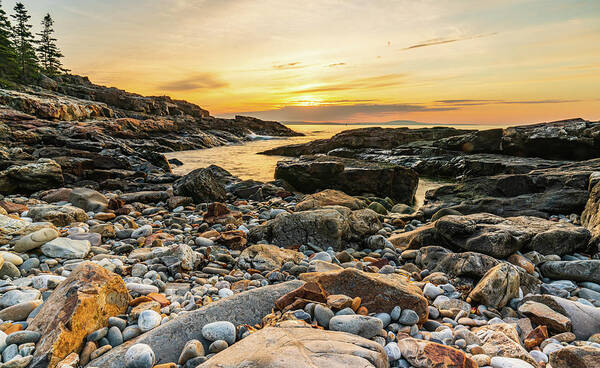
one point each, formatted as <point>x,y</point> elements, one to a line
<point>244,161</point>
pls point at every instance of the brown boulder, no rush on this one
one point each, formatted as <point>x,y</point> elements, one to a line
<point>426,354</point>
<point>576,357</point>
<point>264,257</point>
<point>274,347</point>
<point>379,292</point>
<point>497,287</point>
<point>80,305</point>
<point>329,197</point>
<point>542,314</point>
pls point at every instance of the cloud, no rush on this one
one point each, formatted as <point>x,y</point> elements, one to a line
<point>336,64</point>
<point>475,102</point>
<point>197,81</point>
<point>334,112</point>
<point>442,40</point>
<point>294,65</point>
<point>379,81</point>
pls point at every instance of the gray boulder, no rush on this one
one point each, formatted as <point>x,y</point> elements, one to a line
<point>201,185</point>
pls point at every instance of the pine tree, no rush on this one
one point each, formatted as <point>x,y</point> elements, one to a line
<point>48,52</point>
<point>23,41</point>
<point>7,52</point>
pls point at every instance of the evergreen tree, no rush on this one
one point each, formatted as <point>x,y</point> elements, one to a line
<point>23,41</point>
<point>7,52</point>
<point>48,52</point>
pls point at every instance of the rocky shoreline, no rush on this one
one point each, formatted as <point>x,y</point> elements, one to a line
<point>108,259</point>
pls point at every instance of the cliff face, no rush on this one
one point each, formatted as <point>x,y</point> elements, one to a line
<point>106,135</point>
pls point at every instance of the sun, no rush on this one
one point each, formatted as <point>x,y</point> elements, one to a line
<point>307,100</point>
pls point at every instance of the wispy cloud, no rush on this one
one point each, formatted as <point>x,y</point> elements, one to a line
<point>375,82</point>
<point>195,82</point>
<point>294,65</point>
<point>475,102</point>
<point>337,112</point>
<point>444,40</point>
<point>336,64</point>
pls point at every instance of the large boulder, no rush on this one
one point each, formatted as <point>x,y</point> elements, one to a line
<point>585,319</point>
<point>88,199</point>
<point>58,215</point>
<point>167,340</point>
<point>333,226</point>
<point>329,197</point>
<point>378,292</point>
<point>201,185</point>
<point>274,347</point>
<point>496,236</point>
<point>583,270</point>
<point>354,177</point>
<point>80,305</point>
<point>43,174</point>
<point>267,257</point>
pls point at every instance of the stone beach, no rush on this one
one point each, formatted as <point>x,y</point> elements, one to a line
<point>108,259</point>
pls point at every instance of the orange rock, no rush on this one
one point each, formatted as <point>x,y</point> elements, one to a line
<point>218,213</point>
<point>521,261</point>
<point>150,239</point>
<point>339,301</point>
<point>234,239</point>
<point>363,311</point>
<point>152,305</point>
<point>535,337</point>
<point>241,285</point>
<point>13,328</point>
<point>105,216</point>
<point>422,353</point>
<point>212,233</point>
<point>139,300</point>
<point>356,303</point>
<point>161,298</point>
<point>166,365</point>
<point>80,305</point>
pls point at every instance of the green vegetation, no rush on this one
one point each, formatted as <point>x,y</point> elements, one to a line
<point>23,57</point>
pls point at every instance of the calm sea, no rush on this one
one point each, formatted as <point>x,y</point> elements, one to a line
<point>244,161</point>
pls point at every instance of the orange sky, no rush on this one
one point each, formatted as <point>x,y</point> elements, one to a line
<point>447,61</point>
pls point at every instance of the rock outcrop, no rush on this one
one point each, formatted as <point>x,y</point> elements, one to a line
<point>312,173</point>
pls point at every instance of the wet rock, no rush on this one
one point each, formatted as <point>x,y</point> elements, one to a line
<point>86,299</point>
<point>301,347</point>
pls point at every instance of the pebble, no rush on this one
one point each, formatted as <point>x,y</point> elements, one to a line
<point>393,351</point>
<point>221,330</point>
<point>364,326</point>
<point>431,291</point>
<point>503,362</point>
<point>408,317</point>
<point>323,315</point>
<point>139,356</point>
<point>148,320</point>
<point>192,349</point>
<point>218,346</point>
<point>114,336</point>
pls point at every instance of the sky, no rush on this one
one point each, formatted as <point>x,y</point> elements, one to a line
<point>435,61</point>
